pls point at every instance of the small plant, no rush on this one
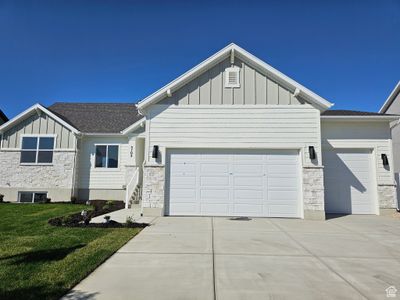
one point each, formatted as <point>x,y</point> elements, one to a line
<point>129,220</point>
<point>109,204</point>
<point>65,220</point>
<point>1,198</point>
<point>47,200</point>
<point>74,200</point>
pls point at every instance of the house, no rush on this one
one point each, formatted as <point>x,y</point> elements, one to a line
<point>3,117</point>
<point>392,106</point>
<point>230,137</point>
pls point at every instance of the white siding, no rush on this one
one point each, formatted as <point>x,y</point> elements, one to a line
<point>209,89</point>
<point>244,126</point>
<point>361,135</point>
<point>101,178</point>
<point>36,124</point>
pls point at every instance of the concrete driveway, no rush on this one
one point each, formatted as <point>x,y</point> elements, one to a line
<point>351,257</point>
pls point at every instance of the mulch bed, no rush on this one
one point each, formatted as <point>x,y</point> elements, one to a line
<point>95,208</point>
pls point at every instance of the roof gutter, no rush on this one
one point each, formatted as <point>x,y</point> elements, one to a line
<point>383,118</point>
<point>100,134</point>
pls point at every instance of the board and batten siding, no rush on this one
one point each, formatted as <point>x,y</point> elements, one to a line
<point>237,126</point>
<point>102,178</point>
<point>39,124</point>
<point>361,135</point>
<point>255,88</point>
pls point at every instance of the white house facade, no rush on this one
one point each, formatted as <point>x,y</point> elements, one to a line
<point>392,106</point>
<point>231,137</point>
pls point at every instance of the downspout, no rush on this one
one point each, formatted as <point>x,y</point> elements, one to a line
<point>74,176</point>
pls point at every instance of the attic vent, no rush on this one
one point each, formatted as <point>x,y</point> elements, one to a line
<point>232,77</point>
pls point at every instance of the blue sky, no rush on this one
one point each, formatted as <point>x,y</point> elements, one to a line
<point>120,51</point>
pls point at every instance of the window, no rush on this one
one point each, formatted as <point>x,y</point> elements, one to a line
<point>232,79</point>
<point>32,197</point>
<point>37,150</point>
<point>106,156</point>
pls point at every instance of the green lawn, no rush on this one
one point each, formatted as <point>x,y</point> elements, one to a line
<point>39,261</point>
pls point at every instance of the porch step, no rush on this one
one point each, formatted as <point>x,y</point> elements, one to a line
<point>136,196</point>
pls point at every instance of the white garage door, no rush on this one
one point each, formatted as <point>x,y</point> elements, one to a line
<point>348,182</point>
<point>233,183</point>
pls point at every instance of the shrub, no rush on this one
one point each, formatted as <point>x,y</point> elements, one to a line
<point>74,200</point>
<point>47,200</point>
<point>1,198</point>
<point>109,204</point>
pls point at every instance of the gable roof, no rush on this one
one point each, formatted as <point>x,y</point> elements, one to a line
<point>391,98</point>
<point>97,117</point>
<point>34,109</point>
<point>3,116</point>
<point>233,49</point>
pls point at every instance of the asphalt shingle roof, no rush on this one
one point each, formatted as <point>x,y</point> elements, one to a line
<point>97,117</point>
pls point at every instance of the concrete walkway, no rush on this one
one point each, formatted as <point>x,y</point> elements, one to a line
<point>352,257</point>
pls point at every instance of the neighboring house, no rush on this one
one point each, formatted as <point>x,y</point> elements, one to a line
<point>392,106</point>
<point>231,137</point>
<point>3,117</point>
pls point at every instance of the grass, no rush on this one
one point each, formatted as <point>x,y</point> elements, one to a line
<point>39,261</point>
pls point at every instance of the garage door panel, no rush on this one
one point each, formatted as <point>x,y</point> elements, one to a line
<point>283,169</point>
<point>182,181</point>
<point>248,210</point>
<point>282,211</point>
<point>248,169</point>
<point>280,196</point>
<point>348,182</point>
<point>214,194</point>
<point>248,196</point>
<point>214,180</point>
<point>187,209</point>
<point>255,181</point>
<point>183,168</point>
<point>282,182</point>
<point>214,209</point>
<point>214,168</point>
<point>237,183</point>
<point>183,193</point>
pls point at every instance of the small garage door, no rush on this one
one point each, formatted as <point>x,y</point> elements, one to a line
<point>233,183</point>
<point>348,182</point>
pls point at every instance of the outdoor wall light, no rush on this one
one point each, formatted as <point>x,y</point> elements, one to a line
<point>154,154</point>
<point>311,151</point>
<point>385,160</point>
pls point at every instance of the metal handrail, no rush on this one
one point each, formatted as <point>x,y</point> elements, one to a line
<point>133,182</point>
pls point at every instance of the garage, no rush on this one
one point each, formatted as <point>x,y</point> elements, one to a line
<point>255,183</point>
<point>348,176</point>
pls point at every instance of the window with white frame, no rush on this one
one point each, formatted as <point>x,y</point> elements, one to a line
<point>106,156</point>
<point>32,197</point>
<point>37,150</point>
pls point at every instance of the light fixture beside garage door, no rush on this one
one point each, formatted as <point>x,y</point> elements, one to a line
<point>154,154</point>
<point>385,160</point>
<point>311,151</point>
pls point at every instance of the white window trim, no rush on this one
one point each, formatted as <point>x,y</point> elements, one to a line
<point>107,168</point>
<point>37,148</point>
<point>33,195</point>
